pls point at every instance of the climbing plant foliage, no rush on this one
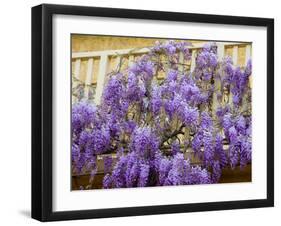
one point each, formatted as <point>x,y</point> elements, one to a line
<point>156,114</point>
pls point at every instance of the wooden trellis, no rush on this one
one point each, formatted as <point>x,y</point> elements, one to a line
<point>107,59</point>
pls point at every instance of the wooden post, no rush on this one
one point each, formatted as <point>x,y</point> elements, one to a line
<point>89,74</point>
<point>217,84</point>
<point>193,59</point>
<point>247,57</point>
<point>76,75</point>
<point>235,62</point>
<point>101,77</point>
<point>131,60</point>
<point>220,51</point>
<point>117,63</point>
<point>235,55</point>
<point>77,68</point>
<point>245,104</point>
<point>181,62</point>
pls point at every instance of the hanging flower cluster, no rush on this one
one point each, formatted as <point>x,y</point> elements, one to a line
<point>153,125</point>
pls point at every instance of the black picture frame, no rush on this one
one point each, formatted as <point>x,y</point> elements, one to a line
<point>42,107</point>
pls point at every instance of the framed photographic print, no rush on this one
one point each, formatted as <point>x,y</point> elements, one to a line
<point>146,112</point>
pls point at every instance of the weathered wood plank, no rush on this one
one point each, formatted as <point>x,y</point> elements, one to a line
<point>235,55</point>
<point>101,77</point>
<point>89,74</point>
<point>77,66</point>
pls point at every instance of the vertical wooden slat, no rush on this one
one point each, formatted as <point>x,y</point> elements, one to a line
<point>89,74</point>
<point>245,103</point>
<point>215,104</point>
<point>131,60</point>
<point>193,63</point>
<point>235,62</point>
<point>247,53</point>
<point>101,77</point>
<point>77,68</point>
<point>117,63</point>
<point>181,62</point>
<point>247,57</point>
<point>220,53</point>
<point>76,75</point>
<point>235,55</point>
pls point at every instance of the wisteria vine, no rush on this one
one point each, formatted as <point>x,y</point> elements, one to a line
<point>152,125</point>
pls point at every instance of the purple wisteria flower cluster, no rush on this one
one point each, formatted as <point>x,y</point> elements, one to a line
<point>148,128</point>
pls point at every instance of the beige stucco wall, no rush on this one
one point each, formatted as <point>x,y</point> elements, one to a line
<point>82,43</point>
